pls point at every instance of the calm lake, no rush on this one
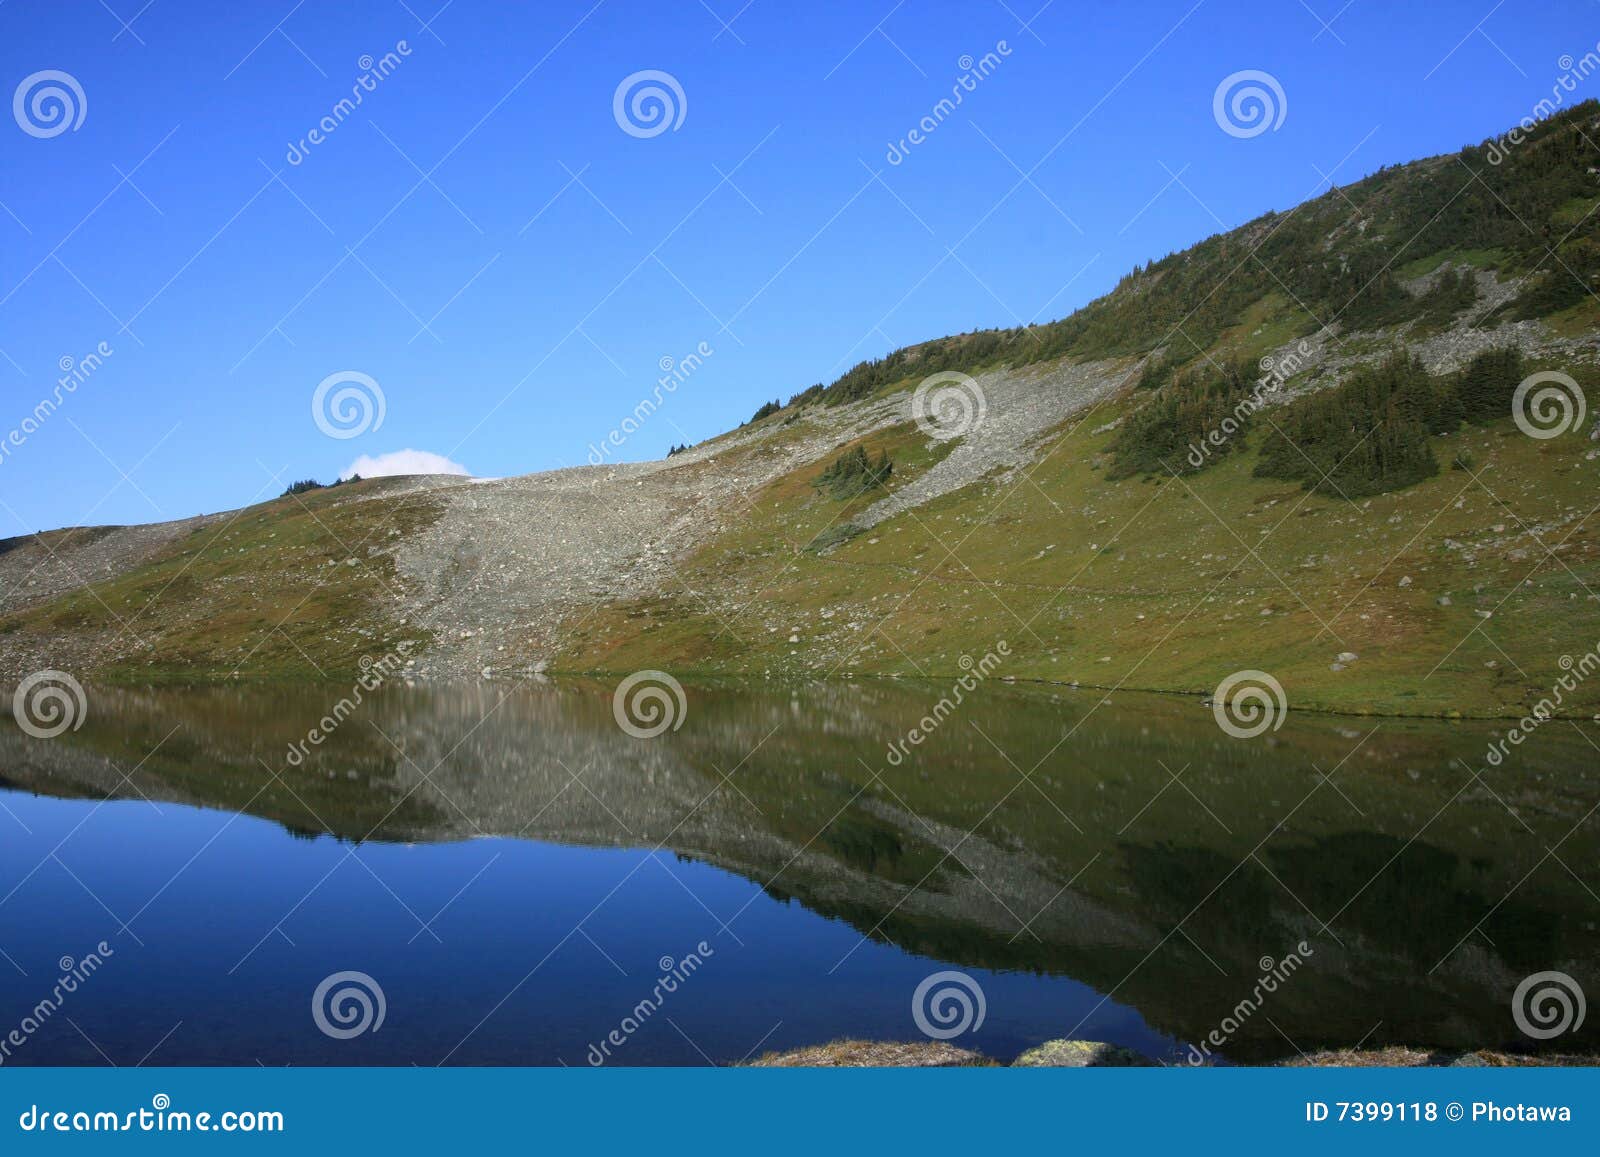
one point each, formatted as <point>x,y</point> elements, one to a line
<point>517,874</point>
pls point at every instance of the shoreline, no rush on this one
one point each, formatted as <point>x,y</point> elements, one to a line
<point>706,677</point>
<point>1100,1054</point>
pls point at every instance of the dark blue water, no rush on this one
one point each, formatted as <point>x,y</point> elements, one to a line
<point>517,880</point>
<point>489,951</point>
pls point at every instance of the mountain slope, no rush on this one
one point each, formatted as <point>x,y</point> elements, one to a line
<point>1450,552</point>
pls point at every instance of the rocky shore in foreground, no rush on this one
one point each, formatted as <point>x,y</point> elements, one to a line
<point>1079,1054</point>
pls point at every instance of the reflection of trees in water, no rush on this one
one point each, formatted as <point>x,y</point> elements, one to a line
<point>1413,904</point>
<point>1236,904</point>
<point>943,854</point>
<point>1423,901</point>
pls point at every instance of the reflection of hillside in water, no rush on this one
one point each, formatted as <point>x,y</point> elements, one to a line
<point>1147,852</point>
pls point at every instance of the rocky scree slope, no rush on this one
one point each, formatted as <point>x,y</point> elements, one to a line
<point>728,558</point>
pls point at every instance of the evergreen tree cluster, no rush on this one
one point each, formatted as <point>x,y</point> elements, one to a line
<point>1514,202</point>
<point>1567,279</point>
<point>1369,435</point>
<point>1159,436</point>
<point>1385,303</point>
<point>1366,436</point>
<point>1488,383</point>
<point>308,484</point>
<point>967,351</point>
<point>767,410</point>
<point>855,472</point>
<point>1372,433</point>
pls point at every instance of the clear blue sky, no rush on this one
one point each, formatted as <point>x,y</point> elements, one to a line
<point>514,306</point>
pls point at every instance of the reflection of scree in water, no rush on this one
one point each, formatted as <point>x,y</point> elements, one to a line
<point>838,885</point>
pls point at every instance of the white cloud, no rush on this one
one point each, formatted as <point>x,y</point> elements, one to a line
<point>403,462</point>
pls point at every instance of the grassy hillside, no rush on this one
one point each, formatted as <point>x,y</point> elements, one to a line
<point>299,587</point>
<point>1340,258</point>
<point>1423,532</point>
<point>1161,583</point>
<point>1448,551</point>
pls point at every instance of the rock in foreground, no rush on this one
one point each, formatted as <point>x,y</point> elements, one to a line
<point>860,1054</point>
<point>1081,1054</point>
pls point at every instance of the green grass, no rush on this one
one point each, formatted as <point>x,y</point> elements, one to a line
<point>1476,258</point>
<point>1156,584</point>
<point>270,593</point>
<point>1572,212</point>
<point>1176,582</point>
<point>1270,323</point>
